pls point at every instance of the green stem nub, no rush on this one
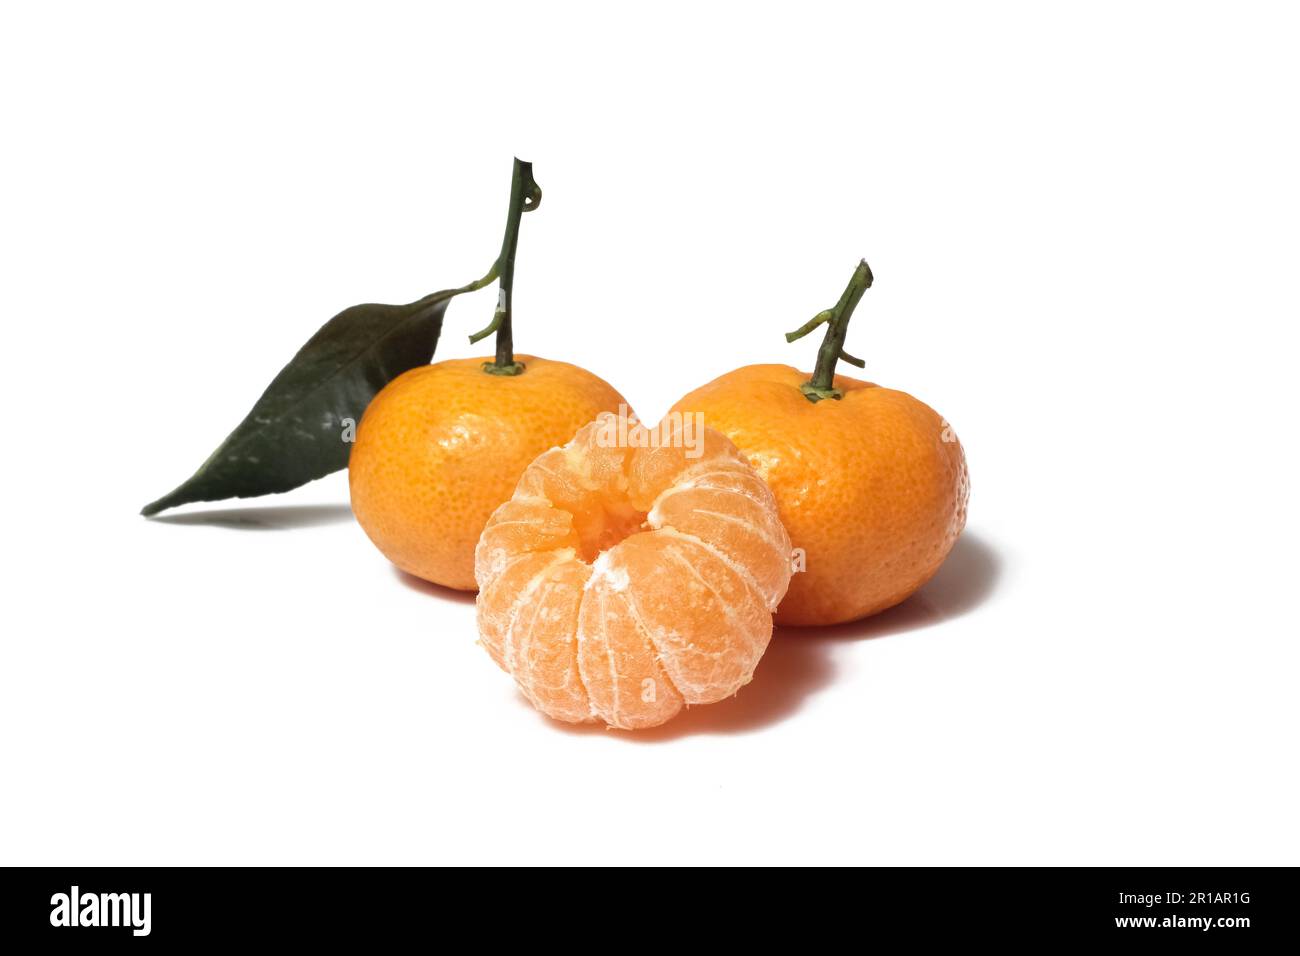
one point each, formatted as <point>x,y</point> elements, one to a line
<point>836,320</point>
<point>525,196</point>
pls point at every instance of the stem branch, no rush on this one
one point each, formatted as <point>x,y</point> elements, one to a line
<point>822,383</point>
<point>525,196</point>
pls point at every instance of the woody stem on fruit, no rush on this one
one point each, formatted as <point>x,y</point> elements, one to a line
<point>525,196</point>
<point>822,383</point>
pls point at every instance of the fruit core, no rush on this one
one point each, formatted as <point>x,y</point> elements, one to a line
<point>604,521</point>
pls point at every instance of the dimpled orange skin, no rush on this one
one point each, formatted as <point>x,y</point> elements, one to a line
<point>441,446</point>
<point>872,486</point>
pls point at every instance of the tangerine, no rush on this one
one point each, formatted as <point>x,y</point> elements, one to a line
<point>441,446</point>
<point>871,483</point>
<point>622,583</point>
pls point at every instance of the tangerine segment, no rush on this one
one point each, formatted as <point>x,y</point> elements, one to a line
<point>618,663</point>
<point>519,526</point>
<point>543,657</point>
<point>511,590</point>
<point>699,610</point>
<point>621,583</point>
<point>731,508</point>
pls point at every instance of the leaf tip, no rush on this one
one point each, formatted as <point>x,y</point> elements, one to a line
<point>153,507</point>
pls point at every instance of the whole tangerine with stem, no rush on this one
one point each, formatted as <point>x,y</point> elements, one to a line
<point>872,484</point>
<point>623,581</point>
<point>441,446</point>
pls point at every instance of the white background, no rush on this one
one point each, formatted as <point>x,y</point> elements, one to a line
<point>1083,225</point>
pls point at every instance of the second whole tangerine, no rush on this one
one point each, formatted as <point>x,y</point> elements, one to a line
<point>871,482</point>
<point>441,446</point>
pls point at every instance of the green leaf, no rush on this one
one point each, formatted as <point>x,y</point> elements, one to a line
<point>295,432</point>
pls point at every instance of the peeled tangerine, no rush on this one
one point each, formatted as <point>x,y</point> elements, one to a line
<point>633,572</point>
